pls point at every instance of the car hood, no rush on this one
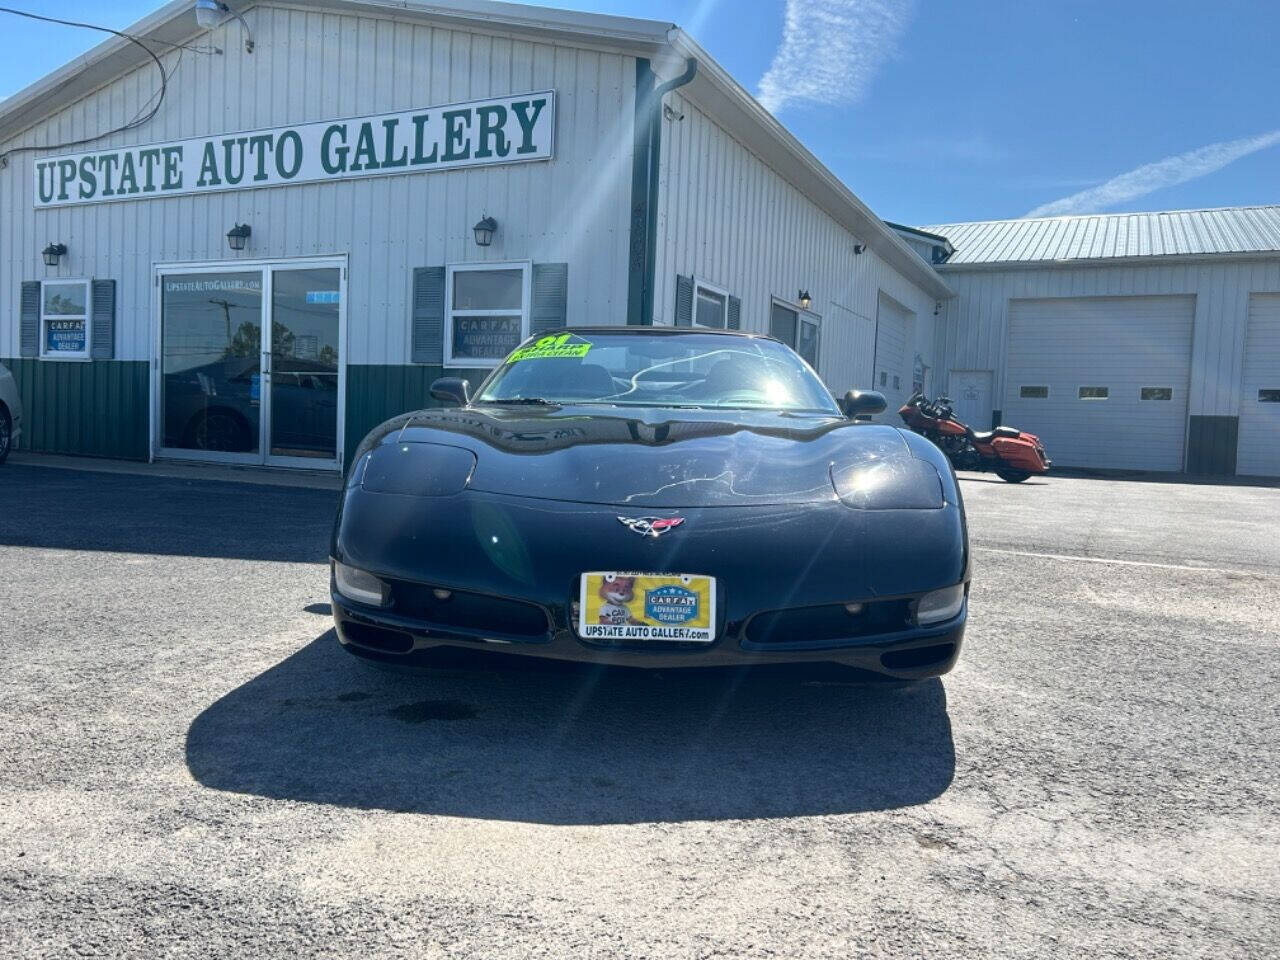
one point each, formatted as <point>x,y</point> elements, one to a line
<point>655,457</point>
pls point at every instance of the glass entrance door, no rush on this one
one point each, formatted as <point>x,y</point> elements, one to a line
<point>210,360</point>
<point>303,364</point>
<point>250,366</point>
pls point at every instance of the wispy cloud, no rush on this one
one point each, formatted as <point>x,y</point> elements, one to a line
<point>831,49</point>
<point>1153,176</point>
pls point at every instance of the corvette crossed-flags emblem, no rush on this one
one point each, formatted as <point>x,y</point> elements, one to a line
<point>651,526</point>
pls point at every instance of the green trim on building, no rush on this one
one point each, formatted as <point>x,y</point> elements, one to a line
<point>93,408</point>
<point>379,392</point>
<point>101,408</point>
<point>641,158</point>
<point>646,156</point>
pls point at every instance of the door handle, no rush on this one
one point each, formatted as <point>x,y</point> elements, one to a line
<point>266,362</point>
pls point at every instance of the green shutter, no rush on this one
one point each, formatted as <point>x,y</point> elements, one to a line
<point>684,301</point>
<point>104,320</point>
<point>734,320</point>
<point>428,315</point>
<point>550,304</point>
<point>29,314</point>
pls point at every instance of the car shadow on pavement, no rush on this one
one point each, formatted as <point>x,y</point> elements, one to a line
<point>479,735</point>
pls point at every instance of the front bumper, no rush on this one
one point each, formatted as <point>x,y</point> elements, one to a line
<point>513,564</point>
<point>910,654</point>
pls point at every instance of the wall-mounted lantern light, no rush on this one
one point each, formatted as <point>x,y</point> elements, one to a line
<point>859,248</point>
<point>52,252</point>
<point>485,230</point>
<point>806,301</point>
<point>238,235</point>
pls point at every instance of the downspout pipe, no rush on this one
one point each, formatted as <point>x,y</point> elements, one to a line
<point>645,167</point>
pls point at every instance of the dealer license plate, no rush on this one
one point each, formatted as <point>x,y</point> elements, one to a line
<point>626,607</point>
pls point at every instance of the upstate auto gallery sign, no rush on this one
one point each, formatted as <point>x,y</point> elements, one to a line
<point>505,130</point>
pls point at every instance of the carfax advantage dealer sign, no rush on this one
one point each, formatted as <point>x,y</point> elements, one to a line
<point>505,130</point>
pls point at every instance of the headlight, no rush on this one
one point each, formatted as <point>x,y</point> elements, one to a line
<point>417,469</point>
<point>894,483</point>
<point>940,605</point>
<point>360,586</point>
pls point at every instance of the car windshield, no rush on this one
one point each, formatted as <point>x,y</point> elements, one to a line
<point>710,371</point>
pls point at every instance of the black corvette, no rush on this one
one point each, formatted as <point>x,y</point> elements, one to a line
<point>653,497</point>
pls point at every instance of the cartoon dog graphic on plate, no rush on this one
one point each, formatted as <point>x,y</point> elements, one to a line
<point>617,592</point>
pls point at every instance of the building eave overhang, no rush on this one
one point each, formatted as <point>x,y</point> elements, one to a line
<point>916,231</point>
<point>175,23</point>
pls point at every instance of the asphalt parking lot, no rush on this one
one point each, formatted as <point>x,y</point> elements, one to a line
<point>190,767</point>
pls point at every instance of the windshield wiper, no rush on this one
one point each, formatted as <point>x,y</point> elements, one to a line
<point>526,401</point>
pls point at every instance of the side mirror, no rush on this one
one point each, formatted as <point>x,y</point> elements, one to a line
<point>862,403</point>
<point>452,390</point>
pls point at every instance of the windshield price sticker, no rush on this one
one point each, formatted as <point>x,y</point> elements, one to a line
<point>552,348</point>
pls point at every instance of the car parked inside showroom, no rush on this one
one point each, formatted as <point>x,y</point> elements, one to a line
<point>658,497</point>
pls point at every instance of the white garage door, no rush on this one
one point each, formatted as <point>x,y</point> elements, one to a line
<point>1259,451</point>
<point>895,353</point>
<point>1102,380</point>
<point>848,348</point>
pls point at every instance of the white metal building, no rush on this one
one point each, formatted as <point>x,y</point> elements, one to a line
<point>310,231</point>
<point>1145,341</point>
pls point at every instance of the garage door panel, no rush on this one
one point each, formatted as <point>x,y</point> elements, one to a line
<point>1258,453</point>
<point>895,357</point>
<point>1121,343</point>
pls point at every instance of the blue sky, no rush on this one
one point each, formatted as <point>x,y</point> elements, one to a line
<point>942,111</point>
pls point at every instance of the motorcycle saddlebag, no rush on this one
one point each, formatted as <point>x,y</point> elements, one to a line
<point>1021,453</point>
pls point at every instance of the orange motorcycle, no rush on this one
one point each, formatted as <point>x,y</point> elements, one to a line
<point>1010,454</point>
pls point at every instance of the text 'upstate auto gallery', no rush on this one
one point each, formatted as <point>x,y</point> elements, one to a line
<point>462,134</point>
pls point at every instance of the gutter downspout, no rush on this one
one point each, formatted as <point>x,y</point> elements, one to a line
<point>645,166</point>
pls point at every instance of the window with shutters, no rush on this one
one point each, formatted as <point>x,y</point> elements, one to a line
<point>487,311</point>
<point>798,329</point>
<point>710,306</point>
<point>65,310</point>
<point>702,304</point>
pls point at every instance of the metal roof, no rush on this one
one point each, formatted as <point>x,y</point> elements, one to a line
<point>915,231</point>
<point>1115,236</point>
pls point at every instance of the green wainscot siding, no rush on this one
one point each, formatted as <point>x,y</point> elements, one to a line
<point>95,408</point>
<point>376,393</point>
